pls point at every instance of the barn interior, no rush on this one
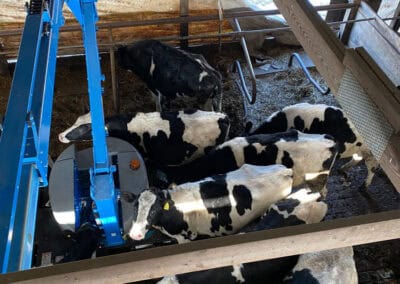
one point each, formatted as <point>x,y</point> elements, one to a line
<point>344,46</point>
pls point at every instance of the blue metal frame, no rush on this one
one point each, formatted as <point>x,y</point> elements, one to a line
<point>24,142</point>
<point>102,188</point>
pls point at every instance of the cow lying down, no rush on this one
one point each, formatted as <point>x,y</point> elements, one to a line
<point>169,138</point>
<point>215,206</point>
<point>309,155</point>
<point>323,119</point>
<point>297,208</point>
<point>330,266</point>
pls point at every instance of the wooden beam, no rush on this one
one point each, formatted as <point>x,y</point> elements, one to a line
<point>390,161</point>
<point>114,79</point>
<point>382,43</point>
<point>345,29</point>
<point>184,27</point>
<point>218,252</point>
<point>389,9</point>
<point>318,40</point>
<point>336,15</point>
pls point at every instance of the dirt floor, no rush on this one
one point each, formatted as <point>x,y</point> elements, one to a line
<point>376,263</point>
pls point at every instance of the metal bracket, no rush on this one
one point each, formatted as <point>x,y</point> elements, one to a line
<point>242,87</point>
<point>308,75</point>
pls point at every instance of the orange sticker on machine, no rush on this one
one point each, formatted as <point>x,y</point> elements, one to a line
<point>134,164</point>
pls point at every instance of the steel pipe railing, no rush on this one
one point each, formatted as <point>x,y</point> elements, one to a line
<point>188,19</point>
<point>307,73</point>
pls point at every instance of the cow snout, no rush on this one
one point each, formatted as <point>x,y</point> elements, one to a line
<point>136,237</point>
<point>137,232</point>
<point>62,138</point>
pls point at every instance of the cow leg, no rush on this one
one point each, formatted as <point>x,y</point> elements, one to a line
<point>208,106</point>
<point>355,159</point>
<point>372,165</point>
<point>217,102</point>
<point>157,98</point>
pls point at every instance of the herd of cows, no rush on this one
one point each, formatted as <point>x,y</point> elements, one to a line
<point>272,176</point>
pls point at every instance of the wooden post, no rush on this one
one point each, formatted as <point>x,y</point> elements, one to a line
<point>114,79</point>
<point>350,14</point>
<point>327,52</point>
<point>5,79</point>
<point>184,27</point>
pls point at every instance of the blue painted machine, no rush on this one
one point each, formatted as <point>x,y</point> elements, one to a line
<point>24,141</point>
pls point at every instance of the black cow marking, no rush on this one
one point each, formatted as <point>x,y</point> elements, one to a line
<point>172,221</point>
<point>286,160</point>
<point>224,125</point>
<point>288,205</point>
<point>243,198</point>
<point>176,72</point>
<point>213,193</point>
<point>189,111</point>
<point>277,124</point>
<point>299,123</point>
<point>301,277</point>
<point>336,125</point>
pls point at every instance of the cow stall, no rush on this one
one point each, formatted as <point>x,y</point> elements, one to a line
<point>274,91</point>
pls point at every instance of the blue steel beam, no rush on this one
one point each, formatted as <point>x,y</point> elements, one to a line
<point>20,146</point>
<point>102,188</point>
<point>44,89</point>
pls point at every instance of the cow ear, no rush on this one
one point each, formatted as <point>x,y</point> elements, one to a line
<point>154,189</point>
<point>128,196</point>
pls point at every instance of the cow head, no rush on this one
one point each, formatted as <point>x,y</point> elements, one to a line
<point>79,131</point>
<point>147,209</point>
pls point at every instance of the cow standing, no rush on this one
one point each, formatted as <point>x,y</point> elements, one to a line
<point>168,138</point>
<point>309,155</point>
<point>322,119</point>
<point>170,72</point>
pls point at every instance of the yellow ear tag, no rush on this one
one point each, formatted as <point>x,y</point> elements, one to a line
<point>166,206</point>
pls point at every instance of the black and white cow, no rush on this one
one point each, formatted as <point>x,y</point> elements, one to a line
<point>215,206</point>
<point>323,119</point>
<point>171,72</point>
<point>298,208</point>
<point>169,138</point>
<point>309,155</point>
<point>330,266</point>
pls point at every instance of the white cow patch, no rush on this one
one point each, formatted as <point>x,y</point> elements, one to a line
<point>146,201</point>
<point>237,273</point>
<point>267,184</point>
<point>169,280</point>
<point>201,130</point>
<point>149,122</point>
<point>330,266</point>
<point>259,148</point>
<point>152,66</point>
<point>202,75</point>
<point>303,153</point>
<point>83,119</point>
<point>308,113</point>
